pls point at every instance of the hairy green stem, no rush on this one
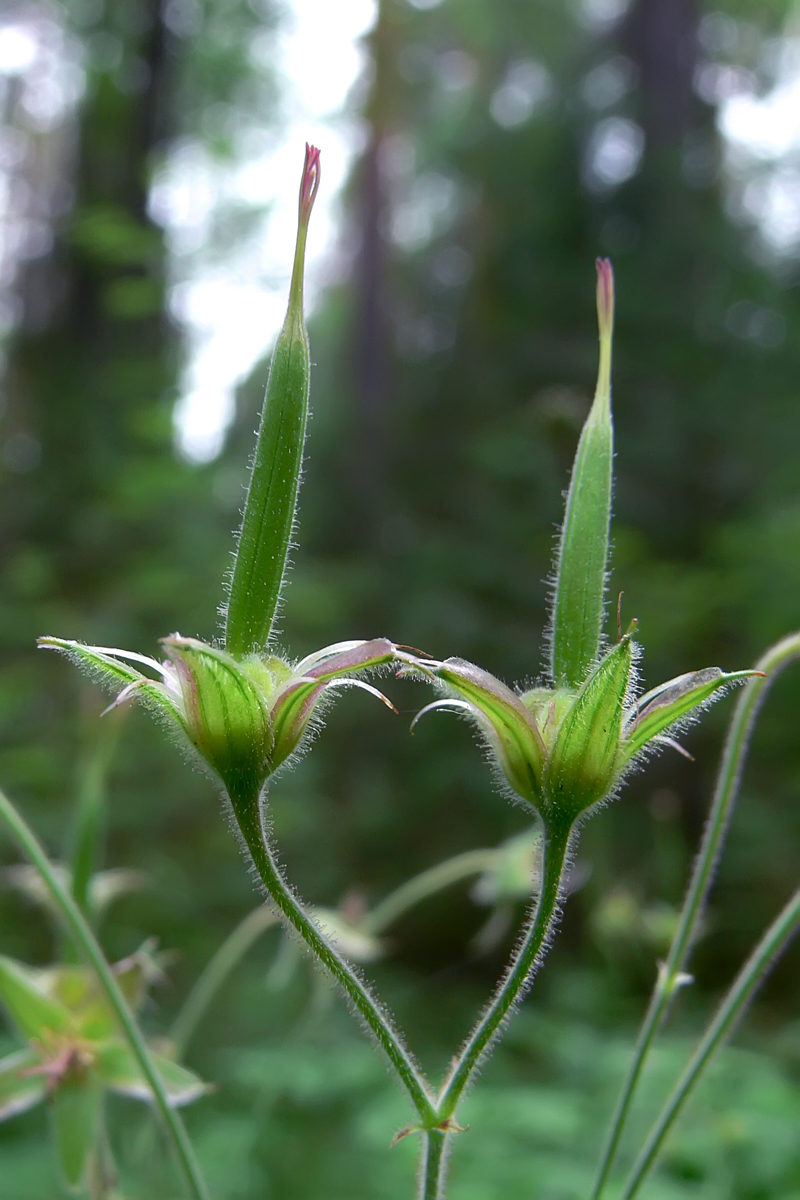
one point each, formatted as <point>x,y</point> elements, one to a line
<point>427,883</point>
<point>752,974</point>
<point>433,1163</point>
<point>556,845</point>
<point>251,822</point>
<point>215,972</point>
<point>81,932</point>
<point>672,972</point>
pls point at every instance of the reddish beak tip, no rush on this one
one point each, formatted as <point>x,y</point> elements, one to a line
<point>605,293</point>
<point>310,182</point>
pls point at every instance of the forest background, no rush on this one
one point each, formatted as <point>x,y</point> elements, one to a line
<point>493,150</point>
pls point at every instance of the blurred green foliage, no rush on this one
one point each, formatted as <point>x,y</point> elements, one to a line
<point>453,369</point>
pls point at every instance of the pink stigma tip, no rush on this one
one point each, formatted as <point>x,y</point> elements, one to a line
<point>310,182</point>
<point>605,293</point>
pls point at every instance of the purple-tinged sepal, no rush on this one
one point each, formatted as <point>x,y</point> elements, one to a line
<point>296,702</point>
<point>506,725</point>
<point>671,706</point>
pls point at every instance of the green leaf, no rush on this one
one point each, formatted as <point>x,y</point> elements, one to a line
<point>76,1122</point>
<point>583,765</point>
<point>30,1008</point>
<point>672,702</point>
<point>582,557</point>
<point>269,512</point>
<point>18,1091</point>
<point>118,1069</point>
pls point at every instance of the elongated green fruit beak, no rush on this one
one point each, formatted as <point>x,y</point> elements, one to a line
<point>269,512</point>
<point>582,558</point>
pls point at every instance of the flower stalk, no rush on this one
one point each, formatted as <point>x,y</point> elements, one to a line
<point>253,827</point>
<point>672,972</point>
<point>751,976</point>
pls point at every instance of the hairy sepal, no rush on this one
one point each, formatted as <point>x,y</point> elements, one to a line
<point>582,768</point>
<point>504,721</point>
<point>672,705</point>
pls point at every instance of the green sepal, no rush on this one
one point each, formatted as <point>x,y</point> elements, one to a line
<point>548,707</point>
<point>265,534</point>
<point>136,973</point>
<point>582,556</point>
<point>582,768</point>
<point>106,670</point>
<point>104,886</point>
<point>20,1091</point>
<point>671,703</point>
<point>226,717</point>
<point>116,1066</point>
<point>76,988</point>
<point>76,1105</point>
<point>31,1009</point>
<point>110,673</point>
<point>506,722</point>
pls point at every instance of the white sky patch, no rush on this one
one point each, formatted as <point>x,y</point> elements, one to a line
<point>231,304</point>
<point>762,135</point>
<point>767,126</point>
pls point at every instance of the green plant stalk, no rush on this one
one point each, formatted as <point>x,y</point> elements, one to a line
<point>250,818</point>
<point>84,937</point>
<point>433,1165</point>
<point>672,971</point>
<point>215,972</point>
<point>752,974</point>
<point>427,883</point>
<point>557,841</point>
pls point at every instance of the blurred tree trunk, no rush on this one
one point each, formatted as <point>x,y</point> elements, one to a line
<point>371,326</point>
<point>91,364</point>
<point>661,36</point>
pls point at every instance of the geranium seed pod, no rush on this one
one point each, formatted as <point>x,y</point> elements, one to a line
<point>269,512</point>
<point>581,562</point>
